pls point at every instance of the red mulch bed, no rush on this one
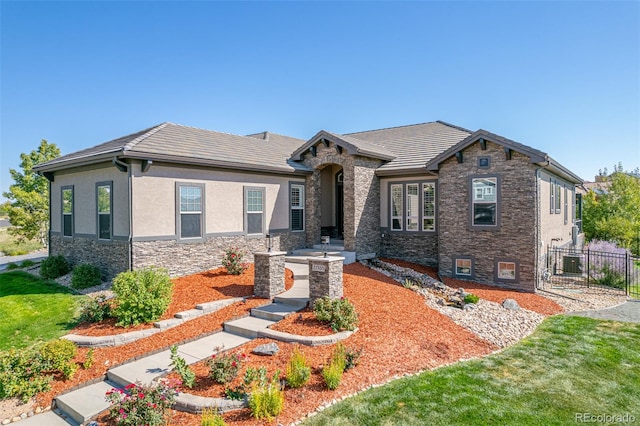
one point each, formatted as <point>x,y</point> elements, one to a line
<point>398,334</point>
<point>530,301</point>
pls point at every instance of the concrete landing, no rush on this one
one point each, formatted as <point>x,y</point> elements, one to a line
<point>85,403</point>
<point>247,326</point>
<point>274,311</point>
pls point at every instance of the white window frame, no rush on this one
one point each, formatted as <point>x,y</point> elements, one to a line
<point>512,271</point>
<point>99,213</point>
<point>247,191</point>
<point>458,267</point>
<point>566,205</point>
<point>426,217</point>
<point>69,213</point>
<point>552,196</point>
<point>297,207</point>
<point>180,212</point>
<point>478,198</point>
<point>558,206</point>
<point>400,211</point>
<point>412,218</point>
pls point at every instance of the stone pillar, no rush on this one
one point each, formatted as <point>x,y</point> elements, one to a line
<point>268,276</point>
<point>325,278</point>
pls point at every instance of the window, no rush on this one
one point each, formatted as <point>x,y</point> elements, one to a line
<point>558,198</point>
<point>412,207</point>
<point>396,207</point>
<point>190,207</point>
<point>428,206</point>
<point>463,267</point>
<point>484,162</point>
<point>566,205</point>
<point>552,200</point>
<point>506,271</point>
<point>485,201</point>
<point>254,211</point>
<point>104,200</point>
<point>297,207</point>
<point>67,211</point>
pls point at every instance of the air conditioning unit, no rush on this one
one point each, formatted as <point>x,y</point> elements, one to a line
<point>571,265</point>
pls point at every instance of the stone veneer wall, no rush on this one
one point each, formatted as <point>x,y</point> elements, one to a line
<point>111,257</point>
<point>361,198</point>
<point>516,237</point>
<point>188,258</point>
<point>420,248</point>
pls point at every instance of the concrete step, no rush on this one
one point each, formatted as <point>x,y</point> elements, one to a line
<point>303,255</point>
<point>144,370</point>
<point>315,252</point>
<point>330,247</point>
<point>247,326</point>
<point>274,311</point>
<point>85,403</point>
<point>300,268</point>
<point>296,302</point>
<point>48,418</point>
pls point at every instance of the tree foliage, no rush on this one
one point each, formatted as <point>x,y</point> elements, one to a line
<point>614,215</point>
<point>28,205</point>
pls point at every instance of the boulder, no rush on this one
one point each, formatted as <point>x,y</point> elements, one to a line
<point>510,304</point>
<point>266,349</point>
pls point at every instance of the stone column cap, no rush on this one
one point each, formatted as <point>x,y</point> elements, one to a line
<point>326,259</point>
<point>271,253</point>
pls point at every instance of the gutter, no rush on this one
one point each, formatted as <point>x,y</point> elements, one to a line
<point>122,166</point>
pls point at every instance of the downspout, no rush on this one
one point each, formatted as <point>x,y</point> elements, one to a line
<point>122,166</point>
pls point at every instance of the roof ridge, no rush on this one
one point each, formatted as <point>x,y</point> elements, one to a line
<point>454,126</point>
<point>213,131</point>
<point>392,127</point>
<point>151,131</point>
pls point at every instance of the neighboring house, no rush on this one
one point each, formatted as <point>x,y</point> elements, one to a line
<point>474,204</point>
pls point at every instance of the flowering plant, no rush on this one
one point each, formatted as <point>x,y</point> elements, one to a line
<point>224,368</point>
<point>139,404</point>
<point>232,260</point>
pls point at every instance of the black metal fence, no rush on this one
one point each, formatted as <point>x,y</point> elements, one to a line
<point>586,268</point>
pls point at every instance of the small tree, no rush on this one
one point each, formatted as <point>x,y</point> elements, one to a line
<point>28,205</point>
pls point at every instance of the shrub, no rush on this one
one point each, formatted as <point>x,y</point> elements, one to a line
<point>211,417</point>
<point>251,375</point>
<point>471,298</point>
<point>232,261</point>
<point>608,263</point>
<point>27,263</point>
<point>141,296</point>
<point>137,404</point>
<point>85,276</point>
<point>298,371</point>
<point>224,368</point>
<point>351,357</point>
<point>340,314</point>
<point>53,267</point>
<point>22,374</point>
<point>12,266</point>
<point>267,400</point>
<point>180,366</point>
<point>95,309</point>
<point>88,360</point>
<point>332,374</point>
<point>58,355</point>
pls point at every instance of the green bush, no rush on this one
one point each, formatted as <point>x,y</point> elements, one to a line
<point>22,374</point>
<point>251,375</point>
<point>332,374</point>
<point>95,309</point>
<point>298,371</point>
<point>351,357</point>
<point>181,367</point>
<point>471,298</point>
<point>224,368</point>
<point>210,417</point>
<point>58,355</point>
<point>53,267</point>
<point>141,296</point>
<point>88,360</point>
<point>232,261</point>
<point>267,400</point>
<point>340,314</point>
<point>12,266</point>
<point>85,276</point>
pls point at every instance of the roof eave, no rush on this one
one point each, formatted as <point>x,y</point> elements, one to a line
<point>560,170</point>
<point>407,171</point>
<point>53,165</point>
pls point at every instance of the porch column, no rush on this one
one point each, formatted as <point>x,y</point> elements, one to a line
<point>268,278</point>
<point>325,278</point>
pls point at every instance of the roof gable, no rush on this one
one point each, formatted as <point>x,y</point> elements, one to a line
<point>352,145</point>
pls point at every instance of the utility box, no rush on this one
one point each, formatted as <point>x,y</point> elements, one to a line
<point>572,265</point>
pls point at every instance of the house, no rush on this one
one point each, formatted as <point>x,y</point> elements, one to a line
<point>474,204</point>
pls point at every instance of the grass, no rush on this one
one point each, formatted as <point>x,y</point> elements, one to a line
<point>33,310</point>
<point>10,247</point>
<point>570,365</point>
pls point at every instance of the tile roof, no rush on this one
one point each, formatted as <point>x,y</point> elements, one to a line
<point>178,143</point>
<point>413,145</point>
<point>353,145</point>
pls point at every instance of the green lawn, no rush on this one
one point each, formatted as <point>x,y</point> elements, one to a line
<point>569,366</point>
<point>10,247</point>
<point>33,310</point>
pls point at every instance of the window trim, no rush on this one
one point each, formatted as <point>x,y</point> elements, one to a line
<point>262,190</point>
<point>566,205</point>
<point>498,202</point>
<point>178,212</point>
<point>496,270</point>
<point>558,207</point>
<point>454,267</point>
<point>409,219</point>
<point>403,217</point>
<point>110,185</point>
<point>552,196</point>
<point>73,208</point>
<point>303,206</point>
<point>484,157</point>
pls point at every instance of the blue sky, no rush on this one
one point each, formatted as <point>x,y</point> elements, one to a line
<point>563,77</point>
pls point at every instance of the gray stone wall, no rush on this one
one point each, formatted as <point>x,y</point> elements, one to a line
<point>111,257</point>
<point>269,274</point>
<point>361,198</point>
<point>419,248</point>
<point>325,278</point>
<point>516,237</point>
<point>188,258</point>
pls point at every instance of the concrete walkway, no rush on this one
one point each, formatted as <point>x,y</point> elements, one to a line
<point>81,405</point>
<point>626,312</point>
<point>36,256</point>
